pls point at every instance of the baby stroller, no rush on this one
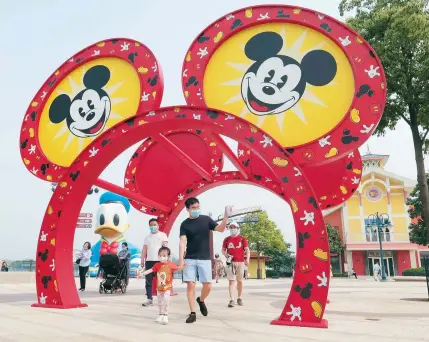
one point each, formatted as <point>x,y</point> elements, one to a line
<point>114,274</point>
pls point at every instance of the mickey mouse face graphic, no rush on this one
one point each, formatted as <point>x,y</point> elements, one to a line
<point>275,83</point>
<point>87,113</point>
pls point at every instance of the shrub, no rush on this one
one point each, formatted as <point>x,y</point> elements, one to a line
<point>414,272</point>
<point>340,275</point>
<point>270,273</point>
<point>273,274</point>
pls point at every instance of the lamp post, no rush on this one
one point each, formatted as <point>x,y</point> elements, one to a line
<point>379,222</point>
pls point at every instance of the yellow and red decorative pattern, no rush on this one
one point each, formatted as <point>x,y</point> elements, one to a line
<point>348,130</point>
<point>45,149</point>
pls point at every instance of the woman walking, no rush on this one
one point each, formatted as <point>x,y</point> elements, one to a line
<point>124,259</point>
<point>83,261</point>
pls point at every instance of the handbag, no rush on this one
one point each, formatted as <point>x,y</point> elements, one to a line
<point>78,261</point>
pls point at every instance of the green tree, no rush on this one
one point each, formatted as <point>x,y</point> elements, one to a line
<point>399,31</point>
<point>335,244</point>
<point>280,260</point>
<point>417,229</point>
<point>262,236</point>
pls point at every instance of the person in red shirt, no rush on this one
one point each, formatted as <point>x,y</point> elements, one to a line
<point>164,275</point>
<point>235,247</point>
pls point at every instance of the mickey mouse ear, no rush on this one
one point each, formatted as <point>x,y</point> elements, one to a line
<point>263,45</point>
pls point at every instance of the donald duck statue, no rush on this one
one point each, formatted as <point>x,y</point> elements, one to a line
<point>111,224</point>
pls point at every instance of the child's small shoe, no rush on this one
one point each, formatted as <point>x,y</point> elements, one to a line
<point>159,319</point>
<point>164,320</point>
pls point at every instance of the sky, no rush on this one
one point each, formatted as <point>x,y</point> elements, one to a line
<point>39,36</point>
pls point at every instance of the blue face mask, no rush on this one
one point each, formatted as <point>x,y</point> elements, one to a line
<point>195,213</point>
<point>153,229</point>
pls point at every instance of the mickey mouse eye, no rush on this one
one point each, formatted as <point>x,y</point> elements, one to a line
<point>81,112</point>
<point>90,104</point>
<point>270,76</point>
<point>283,81</point>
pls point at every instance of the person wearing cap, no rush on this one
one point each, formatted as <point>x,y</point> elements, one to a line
<point>111,224</point>
<point>236,250</point>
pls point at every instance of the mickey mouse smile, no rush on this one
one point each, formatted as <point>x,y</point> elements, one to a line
<point>260,106</point>
<point>94,130</point>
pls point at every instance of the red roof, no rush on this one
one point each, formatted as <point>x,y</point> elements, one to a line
<point>254,255</point>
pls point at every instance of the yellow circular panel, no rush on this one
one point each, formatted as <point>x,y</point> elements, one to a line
<point>283,89</point>
<point>91,99</point>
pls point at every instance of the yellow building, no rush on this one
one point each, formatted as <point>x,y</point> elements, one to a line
<point>383,192</point>
<point>253,266</point>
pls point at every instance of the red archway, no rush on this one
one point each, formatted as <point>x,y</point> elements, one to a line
<point>288,162</point>
<point>55,285</point>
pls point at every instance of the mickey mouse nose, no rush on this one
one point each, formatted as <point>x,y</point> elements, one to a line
<point>268,90</point>
<point>90,116</point>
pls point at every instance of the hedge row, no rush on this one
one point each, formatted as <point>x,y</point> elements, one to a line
<point>414,272</point>
<point>271,274</point>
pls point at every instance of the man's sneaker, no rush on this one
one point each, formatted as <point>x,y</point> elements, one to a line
<point>191,318</point>
<point>231,304</point>
<point>240,301</point>
<point>148,303</point>
<point>164,319</point>
<point>203,307</point>
<point>159,319</point>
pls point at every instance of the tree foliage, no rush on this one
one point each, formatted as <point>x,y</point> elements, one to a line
<point>335,244</point>
<point>280,260</point>
<point>417,228</point>
<point>398,30</point>
<point>263,235</point>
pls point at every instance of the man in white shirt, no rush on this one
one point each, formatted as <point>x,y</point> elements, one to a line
<point>376,270</point>
<point>152,243</point>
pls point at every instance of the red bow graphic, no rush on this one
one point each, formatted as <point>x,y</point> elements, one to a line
<point>106,248</point>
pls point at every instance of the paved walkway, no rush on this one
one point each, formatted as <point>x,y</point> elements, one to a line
<point>360,310</point>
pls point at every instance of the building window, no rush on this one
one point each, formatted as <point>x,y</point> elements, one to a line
<point>371,234</point>
<point>368,164</point>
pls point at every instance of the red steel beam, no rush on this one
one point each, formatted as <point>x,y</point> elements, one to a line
<point>230,154</point>
<point>131,195</point>
<point>168,144</point>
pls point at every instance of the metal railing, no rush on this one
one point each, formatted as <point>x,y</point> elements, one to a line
<point>22,266</point>
<point>372,237</point>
